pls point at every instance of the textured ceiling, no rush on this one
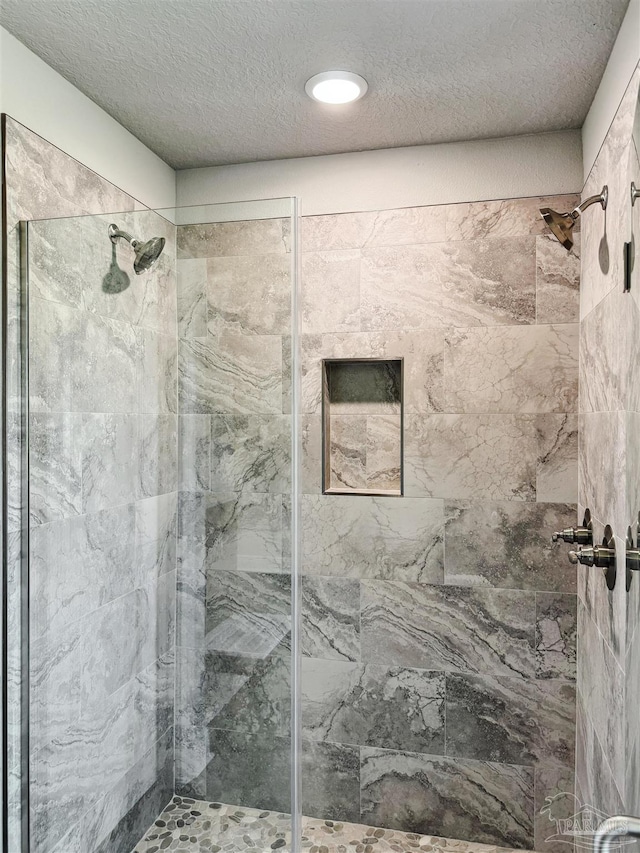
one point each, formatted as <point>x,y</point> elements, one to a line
<point>205,82</point>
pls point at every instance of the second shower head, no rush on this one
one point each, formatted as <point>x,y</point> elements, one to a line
<point>147,253</point>
<point>561,224</point>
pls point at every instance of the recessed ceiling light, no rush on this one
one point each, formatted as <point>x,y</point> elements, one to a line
<point>336,87</point>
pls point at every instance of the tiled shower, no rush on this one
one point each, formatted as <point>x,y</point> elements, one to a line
<point>204,615</point>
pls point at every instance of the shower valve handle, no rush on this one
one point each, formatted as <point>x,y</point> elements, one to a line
<point>594,555</point>
<point>574,535</point>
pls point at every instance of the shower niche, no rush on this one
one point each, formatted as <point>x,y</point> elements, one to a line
<point>362,426</point>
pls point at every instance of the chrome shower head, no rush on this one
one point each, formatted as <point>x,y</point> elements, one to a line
<point>561,224</point>
<point>146,253</point>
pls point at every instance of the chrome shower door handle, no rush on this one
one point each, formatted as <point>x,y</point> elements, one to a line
<point>612,828</point>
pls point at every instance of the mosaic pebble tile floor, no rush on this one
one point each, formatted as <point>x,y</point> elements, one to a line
<point>200,827</point>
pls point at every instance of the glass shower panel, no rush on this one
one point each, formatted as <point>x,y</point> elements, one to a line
<point>157,558</point>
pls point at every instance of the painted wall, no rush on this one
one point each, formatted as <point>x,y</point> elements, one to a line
<point>544,164</point>
<point>41,99</point>
<point>608,736</point>
<point>103,470</point>
<point>624,58</point>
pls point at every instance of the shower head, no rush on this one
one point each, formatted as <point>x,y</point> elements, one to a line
<point>146,253</point>
<point>561,224</point>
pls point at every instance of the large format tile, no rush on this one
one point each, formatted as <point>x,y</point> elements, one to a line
<point>231,374</point>
<point>393,708</point>
<point>220,239</point>
<point>191,298</point>
<point>557,463</point>
<point>158,373</point>
<point>556,635</point>
<point>330,618</point>
<point>372,537</point>
<point>557,281</point>
<point>516,369</point>
<point>489,282</point>
<point>471,456</point>
<point>330,292</point>
<point>194,452</point>
<point>400,226</point>
<point>110,461</point>
<point>508,544</point>
<point>55,466</point>
<point>156,537</point>
<point>504,218</point>
<point>55,334</point>
<point>251,452</point>
<point>511,720</point>
<point>448,628</point>
<point>475,800</point>
<point>158,455</point>
<point>250,294</point>
<point>330,780</point>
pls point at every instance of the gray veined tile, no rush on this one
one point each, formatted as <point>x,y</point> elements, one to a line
<point>557,464</point>
<point>557,281</point>
<point>504,218</point>
<point>249,294</point>
<point>508,544</point>
<point>372,537</point>
<point>80,564</point>
<point>471,456</point>
<point>231,374</point>
<point>330,781</point>
<point>109,460</point>
<point>348,452</point>
<point>511,720</point>
<point>556,634</point>
<point>448,628</point>
<point>399,226</point>
<point>57,270</point>
<point>55,335</point>
<point>394,708</point>
<point>516,369</point>
<point>194,452</point>
<point>554,801</point>
<point>330,291</point>
<point>476,800</point>
<point>487,282</point>
<point>156,537</point>
<point>247,614</point>
<point>158,373</point>
<point>158,454</point>
<point>330,613</point>
<point>384,452</point>
<point>191,300</point>
<point>55,466</point>
<point>245,532</point>
<point>221,239</point>
<point>251,452</point>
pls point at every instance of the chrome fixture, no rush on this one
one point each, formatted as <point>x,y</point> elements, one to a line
<point>635,193</point>
<point>577,535</point>
<point>601,556</point>
<point>146,253</point>
<point>561,224</point>
<point>613,828</point>
<point>632,558</point>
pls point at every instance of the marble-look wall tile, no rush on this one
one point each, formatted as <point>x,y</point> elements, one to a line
<point>517,369</point>
<point>384,452</point>
<point>556,634</point>
<point>251,452</point>
<point>554,801</point>
<point>508,544</point>
<point>601,466</point>
<point>231,374</point>
<point>495,635</point>
<point>330,781</point>
<point>191,299</point>
<point>158,373</point>
<point>245,531</point>
<point>557,463</point>
<point>156,537</point>
<point>55,462</point>
<point>54,333</point>
<point>515,217</point>
<point>250,294</point>
<point>392,708</point>
<point>557,281</point>
<point>330,292</point>
<point>158,457</point>
<point>595,781</point>
<point>79,564</point>
<point>399,226</point>
<point>252,769</point>
<point>490,719</point>
<point>476,800</point>
<point>194,452</point>
<point>220,239</point>
<point>109,460</point>
<point>372,537</point>
<point>471,456</point>
<point>347,452</point>
<point>330,612</point>
<point>490,282</point>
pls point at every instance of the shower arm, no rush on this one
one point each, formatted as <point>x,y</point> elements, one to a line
<point>601,199</point>
<point>613,828</point>
<point>115,233</point>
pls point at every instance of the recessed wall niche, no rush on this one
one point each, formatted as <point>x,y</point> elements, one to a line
<point>362,426</point>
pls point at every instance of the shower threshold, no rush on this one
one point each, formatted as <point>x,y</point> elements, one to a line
<point>201,827</point>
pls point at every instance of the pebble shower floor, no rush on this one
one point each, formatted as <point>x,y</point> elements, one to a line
<point>200,827</point>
